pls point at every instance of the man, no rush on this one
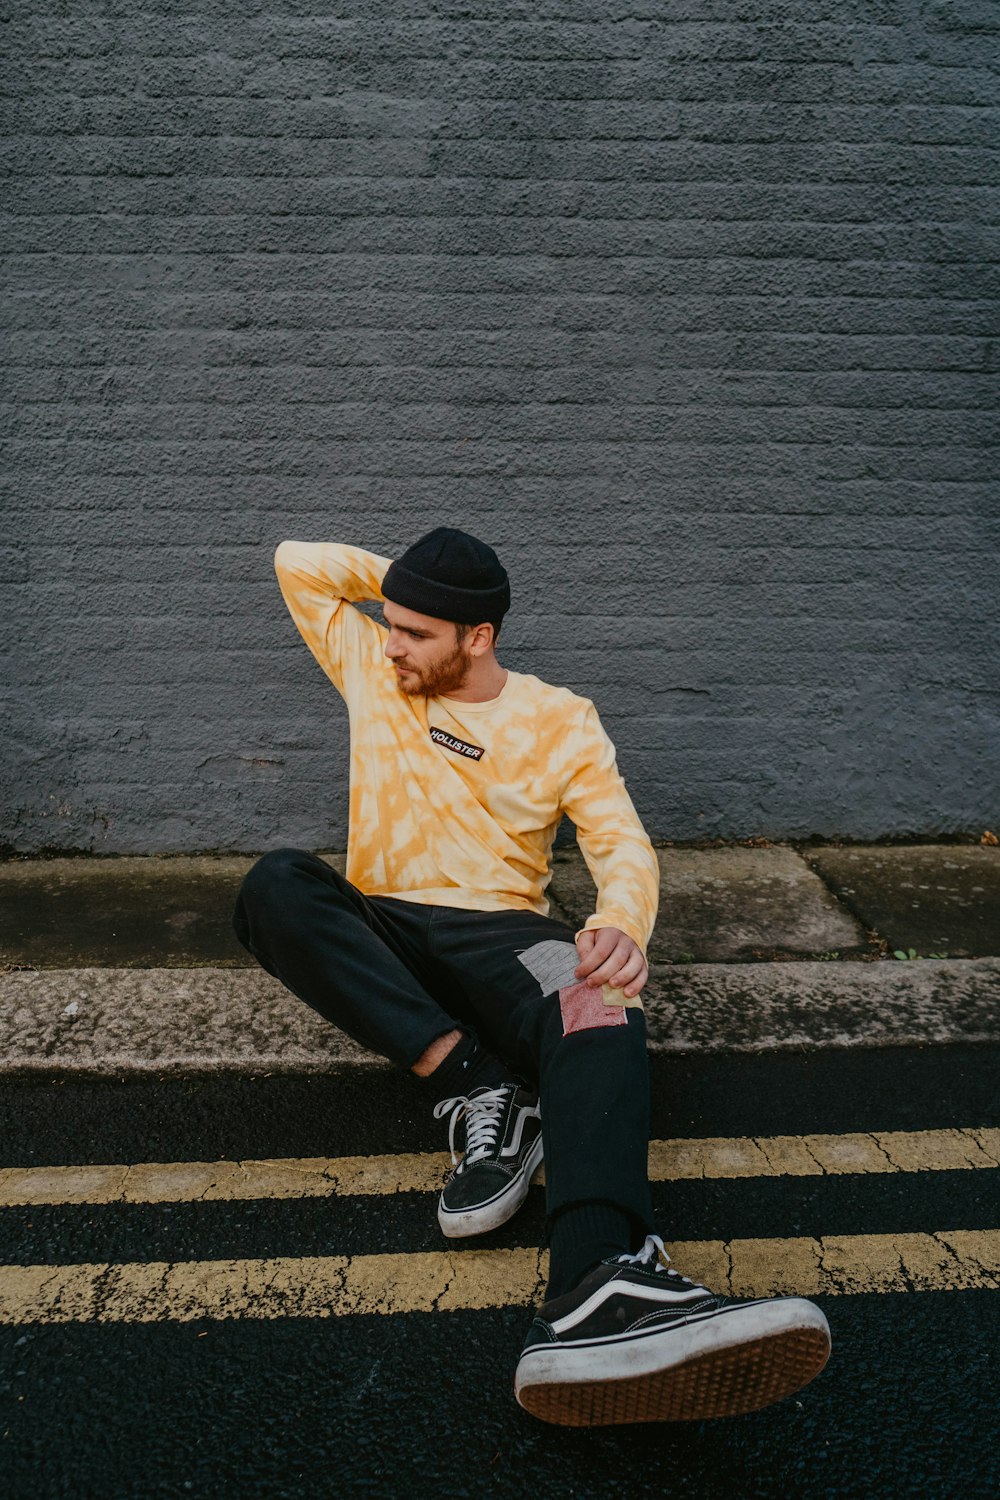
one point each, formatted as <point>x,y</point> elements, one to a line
<point>437,952</point>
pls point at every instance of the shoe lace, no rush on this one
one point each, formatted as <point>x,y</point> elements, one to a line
<point>654,1255</point>
<point>483,1113</point>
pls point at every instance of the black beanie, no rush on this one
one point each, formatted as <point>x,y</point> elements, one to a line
<point>450,575</point>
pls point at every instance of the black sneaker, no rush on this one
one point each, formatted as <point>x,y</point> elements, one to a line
<point>635,1342</point>
<point>503,1146</point>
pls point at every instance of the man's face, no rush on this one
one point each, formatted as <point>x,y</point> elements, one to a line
<point>425,652</point>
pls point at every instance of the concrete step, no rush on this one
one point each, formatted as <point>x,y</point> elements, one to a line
<point>114,1021</point>
<point>734,904</point>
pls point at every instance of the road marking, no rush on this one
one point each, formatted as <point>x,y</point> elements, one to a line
<point>422,1172</point>
<point>336,1286</point>
<point>818,1155</point>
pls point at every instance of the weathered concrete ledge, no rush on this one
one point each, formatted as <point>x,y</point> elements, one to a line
<point>103,1021</point>
<point>736,904</point>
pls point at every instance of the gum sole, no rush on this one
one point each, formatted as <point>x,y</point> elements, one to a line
<point>722,1383</point>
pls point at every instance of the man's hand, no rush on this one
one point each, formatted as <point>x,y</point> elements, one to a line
<point>610,956</point>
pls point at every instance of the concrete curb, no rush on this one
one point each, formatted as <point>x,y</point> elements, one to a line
<point>733,904</point>
<point>97,1021</point>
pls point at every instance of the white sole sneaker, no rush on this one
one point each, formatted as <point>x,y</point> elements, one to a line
<point>498,1207</point>
<point>719,1363</point>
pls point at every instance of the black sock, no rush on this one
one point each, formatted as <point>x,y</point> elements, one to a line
<point>582,1235</point>
<point>468,1066</point>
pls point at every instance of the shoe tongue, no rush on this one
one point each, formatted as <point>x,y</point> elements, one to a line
<point>488,1088</point>
<point>652,1267</point>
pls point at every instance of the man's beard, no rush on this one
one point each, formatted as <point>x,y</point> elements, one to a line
<point>445,675</point>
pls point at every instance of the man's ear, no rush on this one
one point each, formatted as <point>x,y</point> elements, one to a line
<point>480,639</point>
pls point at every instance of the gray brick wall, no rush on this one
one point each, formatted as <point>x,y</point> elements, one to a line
<point>690,312</point>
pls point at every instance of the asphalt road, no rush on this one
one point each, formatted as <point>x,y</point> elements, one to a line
<point>394,1402</point>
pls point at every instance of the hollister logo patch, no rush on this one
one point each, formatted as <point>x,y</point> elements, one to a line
<point>461,747</point>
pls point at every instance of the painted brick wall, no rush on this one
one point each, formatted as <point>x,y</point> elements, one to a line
<point>689,310</point>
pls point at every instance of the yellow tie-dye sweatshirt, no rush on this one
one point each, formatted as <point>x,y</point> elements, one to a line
<point>457,804</point>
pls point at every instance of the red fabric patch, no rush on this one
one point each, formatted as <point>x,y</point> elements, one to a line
<point>583,1008</point>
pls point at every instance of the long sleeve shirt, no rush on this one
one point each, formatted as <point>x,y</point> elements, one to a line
<point>455,803</point>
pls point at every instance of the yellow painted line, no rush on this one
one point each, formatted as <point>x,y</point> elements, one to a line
<point>818,1155</point>
<point>337,1286</point>
<point>322,1177</point>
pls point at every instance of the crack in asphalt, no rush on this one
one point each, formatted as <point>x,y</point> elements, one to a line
<point>905,1273</point>
<point>967,1258</point>
<point>826,1272</point>
<point>727,1250</point>
<point>974,1137</point>
<point>538,1291</point>
<point>880,1145</point>
<point>759,1143</point>
<point>436,1303</point>
<point>809,1152</point>
<point>952,1255</point>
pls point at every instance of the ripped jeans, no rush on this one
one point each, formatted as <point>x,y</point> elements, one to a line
<point>395,975</point>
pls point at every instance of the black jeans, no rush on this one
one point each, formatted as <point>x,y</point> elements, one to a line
<point>395,974</point>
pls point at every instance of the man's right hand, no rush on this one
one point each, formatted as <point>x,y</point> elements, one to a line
<point>610,956</point>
